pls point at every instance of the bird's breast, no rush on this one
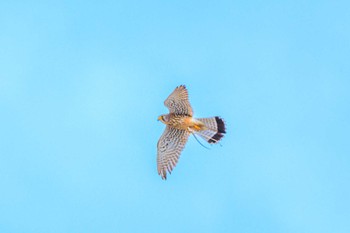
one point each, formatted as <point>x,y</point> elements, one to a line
<point>184,122</point>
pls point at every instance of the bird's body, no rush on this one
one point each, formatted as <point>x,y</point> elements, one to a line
<point>180,125</point>
<point>182,122</point>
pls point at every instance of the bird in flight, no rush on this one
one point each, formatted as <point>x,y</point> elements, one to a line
<point>180,124</point>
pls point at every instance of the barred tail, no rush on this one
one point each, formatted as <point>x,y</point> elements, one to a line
<point>214,129</point>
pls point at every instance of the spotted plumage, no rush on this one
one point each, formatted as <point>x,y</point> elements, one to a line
<point>180,123</point>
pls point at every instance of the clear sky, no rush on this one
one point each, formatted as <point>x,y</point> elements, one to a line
<point>83,82</point>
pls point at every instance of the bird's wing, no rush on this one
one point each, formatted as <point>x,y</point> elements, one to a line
<point>178,102</point>
<point>169,146</point>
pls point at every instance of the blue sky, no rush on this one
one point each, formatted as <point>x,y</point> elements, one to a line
<point>83,82</point>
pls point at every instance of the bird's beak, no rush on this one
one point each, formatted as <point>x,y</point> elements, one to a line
<point>159,118</point>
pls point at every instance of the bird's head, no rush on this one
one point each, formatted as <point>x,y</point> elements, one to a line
<point>164,118</point>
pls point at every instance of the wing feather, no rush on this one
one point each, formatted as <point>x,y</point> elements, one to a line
<point>170,146</point>
<point>178,102</point>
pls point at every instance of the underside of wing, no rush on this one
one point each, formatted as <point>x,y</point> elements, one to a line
<point>178,102</point>
<point>170,146</point>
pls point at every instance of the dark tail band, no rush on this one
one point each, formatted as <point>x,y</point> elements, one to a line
<point>221,130</point>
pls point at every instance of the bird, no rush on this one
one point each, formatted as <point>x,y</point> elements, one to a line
<point>180,124</point>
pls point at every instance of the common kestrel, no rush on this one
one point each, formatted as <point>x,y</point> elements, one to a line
<point>180,123</point>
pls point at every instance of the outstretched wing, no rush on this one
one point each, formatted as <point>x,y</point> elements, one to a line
<point>178,102</point>
<point>170,145</point>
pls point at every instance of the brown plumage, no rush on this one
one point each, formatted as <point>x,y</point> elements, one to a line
<point>180,123</point>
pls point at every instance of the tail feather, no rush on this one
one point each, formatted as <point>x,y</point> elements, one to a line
<point>214,129</point>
